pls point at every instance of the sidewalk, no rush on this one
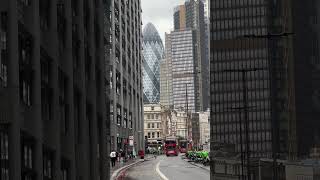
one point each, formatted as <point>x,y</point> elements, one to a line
<point>196,164</point>
<point>120,166</point>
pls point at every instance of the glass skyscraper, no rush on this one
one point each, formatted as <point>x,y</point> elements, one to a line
<point>153,52</point>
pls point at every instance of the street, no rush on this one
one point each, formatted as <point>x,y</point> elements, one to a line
<point>171,168</point>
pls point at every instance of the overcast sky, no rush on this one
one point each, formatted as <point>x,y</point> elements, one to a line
<point>159,13</point>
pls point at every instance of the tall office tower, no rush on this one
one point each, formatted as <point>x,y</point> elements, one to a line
<point>125,70</point>
<point>166,96</point>
<point>153,52</point>
<point>184,62</point>
<point>190,17</point>
<point>263,78</point>
<point>52,98</point>
<point>236,87</point>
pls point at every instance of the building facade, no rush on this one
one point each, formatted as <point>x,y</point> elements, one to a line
<point>179,124</point>
<point>183,71</point>
<point>166,95</point>
<point>153,53</point>
<point>52,91</point>
<point>190,60</point>
<point>153,125</point>
<point>204,127</point>
<point>269,80</point>
<point>125,73</point>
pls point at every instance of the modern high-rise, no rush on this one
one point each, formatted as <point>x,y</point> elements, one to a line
<point>264,69</point>
<point>166,96</point>
<point>184,82</point>
<point>125,72</point>
<point>153,53</point>
<point>190,73</point>
<point>52,91</point>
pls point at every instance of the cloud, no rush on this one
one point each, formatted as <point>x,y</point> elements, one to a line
<point>159,13</point>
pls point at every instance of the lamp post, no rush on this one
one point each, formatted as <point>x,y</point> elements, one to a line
<point>275,130</point>
<point>246,121</point>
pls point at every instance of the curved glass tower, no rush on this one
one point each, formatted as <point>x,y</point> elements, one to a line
<point>153,52</point>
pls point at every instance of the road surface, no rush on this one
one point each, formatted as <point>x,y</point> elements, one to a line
<point>171,168</point>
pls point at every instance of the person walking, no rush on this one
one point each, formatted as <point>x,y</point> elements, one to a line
<point>113,156</point>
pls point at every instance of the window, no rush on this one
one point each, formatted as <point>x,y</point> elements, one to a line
<point>48,159</point>
<point>44,12</point>
<point>27,159</point>
<point>65,164</point>
<point>152,134</point>
<point>149,135</point>
<point>46,90</point>
<point>152,125</point>
<point>152,108</point>
<point>118,115</point>
<point>3,49</point>
<point>158,134</point>
<point>158,125</point>
<point>125,120</point>
<point>148,116</point>
<point>152,116</point>
<point>4,153</point>
<point>130,120</point>
<point>25,65</point>
<point>157,116</point>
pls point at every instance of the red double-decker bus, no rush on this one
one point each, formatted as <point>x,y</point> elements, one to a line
<point>170,146</point>
<point>183,145</point>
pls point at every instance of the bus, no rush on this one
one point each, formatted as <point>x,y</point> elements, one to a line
<point>170,146</point>
<point>183,145</point>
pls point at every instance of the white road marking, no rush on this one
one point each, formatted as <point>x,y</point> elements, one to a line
<point>160,173</point>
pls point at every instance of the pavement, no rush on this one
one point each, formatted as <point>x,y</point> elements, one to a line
<point>116,171</point>
<point>166,168</point>
<point>197,164</point>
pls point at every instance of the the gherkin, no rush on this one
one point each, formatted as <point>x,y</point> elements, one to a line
<point>153,52</point>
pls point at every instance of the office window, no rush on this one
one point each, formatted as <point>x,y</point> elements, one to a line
<point>25,65</point>
<point>48,159</point>
<point>27,157</point>
<point>118,115</point>
<point>3,49</point>
<point>65,166</point>
<point>4,153</point>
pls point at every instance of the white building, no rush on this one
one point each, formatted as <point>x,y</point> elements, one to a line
<point>179,123</point>
<point>152,123</point>
<point>204,126</point>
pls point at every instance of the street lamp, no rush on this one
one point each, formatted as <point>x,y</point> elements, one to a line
<point>245,108</point>
<point>275,132</point>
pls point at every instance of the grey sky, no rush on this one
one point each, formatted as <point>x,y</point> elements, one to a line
<point>160,13</point>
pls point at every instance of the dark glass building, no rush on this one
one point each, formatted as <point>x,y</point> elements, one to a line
<point>52,90</point>
<point>265,76</point>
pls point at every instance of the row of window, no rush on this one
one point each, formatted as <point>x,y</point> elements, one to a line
<point>152,116</point>
<point>154,134</point>
<point>154,125</point>
<point>3,49</point>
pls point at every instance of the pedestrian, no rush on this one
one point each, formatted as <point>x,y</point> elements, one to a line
<point>123,156</point>
<point>113,156</point>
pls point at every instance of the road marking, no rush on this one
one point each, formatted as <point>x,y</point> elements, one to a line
<point>160,173</point>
